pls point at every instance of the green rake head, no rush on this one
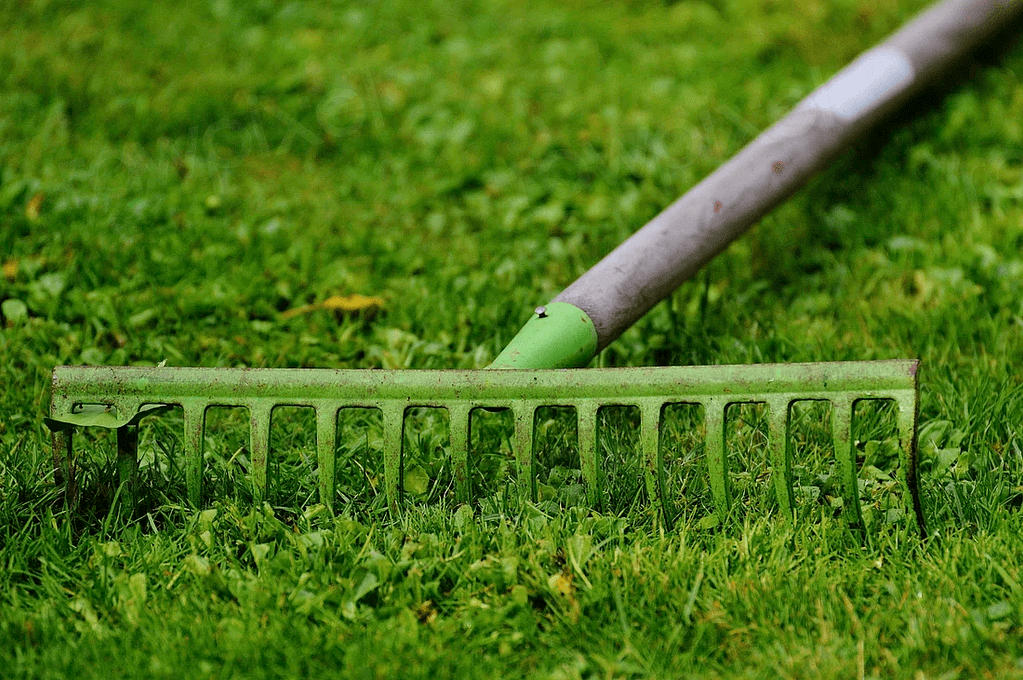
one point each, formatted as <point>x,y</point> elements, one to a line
<point>119,397</point>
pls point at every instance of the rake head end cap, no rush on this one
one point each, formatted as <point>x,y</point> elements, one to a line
<point>559,336</point>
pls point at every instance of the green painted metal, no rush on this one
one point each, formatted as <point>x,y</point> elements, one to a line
<point>118,397</point>
<point>559,335</point>
<point>841,425</point>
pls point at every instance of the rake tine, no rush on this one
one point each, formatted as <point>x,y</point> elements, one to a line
<point>64,464</point>
<point>459,428</point>
<point>394,438</point>
<point>259,444</point>
<point>845,452</point>
<point>781,454</point>
<point>194,415</point>
<point>650,428</point>
<point>586,413</point>
<point>908,458</point>
<point>717,461</point>
<point>524,416</point>
<point>128,460</point>
<point>326,443</point>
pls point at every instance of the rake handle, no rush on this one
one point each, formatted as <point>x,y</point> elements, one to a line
<point>673,246</point>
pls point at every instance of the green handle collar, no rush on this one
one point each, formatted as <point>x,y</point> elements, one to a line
<point>559,335</point>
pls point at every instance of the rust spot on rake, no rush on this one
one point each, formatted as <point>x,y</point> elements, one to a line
<point>119,397</point>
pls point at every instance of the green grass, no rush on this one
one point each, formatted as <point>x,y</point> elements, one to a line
<point>174,176</point>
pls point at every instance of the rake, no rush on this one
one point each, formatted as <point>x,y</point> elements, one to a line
<point>541,366</point>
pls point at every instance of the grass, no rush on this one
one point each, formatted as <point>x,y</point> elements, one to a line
<point>176,177</point>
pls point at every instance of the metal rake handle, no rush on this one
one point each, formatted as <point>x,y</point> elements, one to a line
<point>673,246</point>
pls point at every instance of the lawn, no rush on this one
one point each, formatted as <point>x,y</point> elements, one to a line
<point>194,182</point>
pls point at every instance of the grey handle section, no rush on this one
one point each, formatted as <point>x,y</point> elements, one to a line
<point>673,246</point>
